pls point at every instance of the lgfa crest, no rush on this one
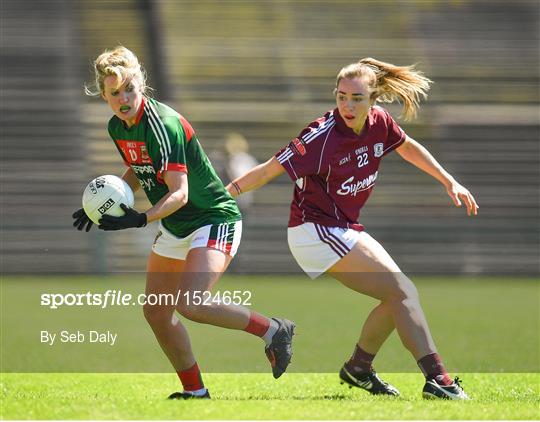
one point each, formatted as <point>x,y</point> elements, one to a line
<point>144,154</point>
<point>378,149</point>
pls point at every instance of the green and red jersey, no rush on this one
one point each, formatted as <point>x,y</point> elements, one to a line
<point>163,140</point>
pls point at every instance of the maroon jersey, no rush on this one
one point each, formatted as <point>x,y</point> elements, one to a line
<point>335,169</point>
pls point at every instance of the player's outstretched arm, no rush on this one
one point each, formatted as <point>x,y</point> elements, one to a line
<point>419,156</point>
<point>255,178</point>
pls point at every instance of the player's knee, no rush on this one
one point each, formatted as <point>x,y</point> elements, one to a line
<point>193,312</point>
<point>402,290</point>
<point>157,316</point>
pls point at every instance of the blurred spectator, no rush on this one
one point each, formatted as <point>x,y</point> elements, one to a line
<point>239,161</point>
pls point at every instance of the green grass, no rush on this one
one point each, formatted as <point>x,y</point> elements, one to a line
<point>486,329</point>
<point>258,396</point>
<point>484,325</point>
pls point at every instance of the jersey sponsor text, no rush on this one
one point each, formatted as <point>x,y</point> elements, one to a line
<point>350,187</point>
<point>143,169</point>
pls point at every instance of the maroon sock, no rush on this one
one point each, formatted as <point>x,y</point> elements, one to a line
<point>257,325</point>
<point>191,378</point>
<point>432,367</point>
<point>361,360</point>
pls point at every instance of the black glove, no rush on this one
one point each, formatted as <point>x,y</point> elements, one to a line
<point>81,219</point>
<point>132,218</point>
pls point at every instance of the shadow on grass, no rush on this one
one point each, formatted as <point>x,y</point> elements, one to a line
<point>337,397</point>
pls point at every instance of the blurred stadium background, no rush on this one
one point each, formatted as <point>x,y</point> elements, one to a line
<point>265,69</point>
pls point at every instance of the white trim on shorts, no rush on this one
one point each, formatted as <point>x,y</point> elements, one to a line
<point>170,246</point>
<point>316,247</point>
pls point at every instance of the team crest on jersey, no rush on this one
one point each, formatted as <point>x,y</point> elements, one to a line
<point>299,146</point>
<point>144,154</point>
<point>378,149</point>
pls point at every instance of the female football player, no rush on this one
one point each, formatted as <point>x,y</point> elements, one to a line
<point>199,223</point>
<point>334,163</point>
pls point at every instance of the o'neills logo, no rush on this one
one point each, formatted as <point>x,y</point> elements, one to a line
<point>299,145</point>
<point>350,187</point>
<point>105,206</point>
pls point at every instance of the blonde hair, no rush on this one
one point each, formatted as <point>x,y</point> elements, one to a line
<point>390,83</point>
<point>119,62</point>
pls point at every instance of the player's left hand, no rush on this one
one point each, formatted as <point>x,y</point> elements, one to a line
<point>131,218</point>
<point>82,220</point>
<point>460,194</point>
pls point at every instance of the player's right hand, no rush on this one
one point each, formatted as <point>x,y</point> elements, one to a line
<point>460,194</point>
<point>81,219</point>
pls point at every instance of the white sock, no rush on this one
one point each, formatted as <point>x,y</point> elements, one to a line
<point>270,332</point>
<point>200,392</point>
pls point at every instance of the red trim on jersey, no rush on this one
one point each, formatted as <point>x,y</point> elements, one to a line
<point>188,129</point>
<point>140,113</point>
<point>171,167</point>
<point>176,167</point>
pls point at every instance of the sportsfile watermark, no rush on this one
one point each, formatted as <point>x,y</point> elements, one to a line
<point>111,298</point>
<point>102,323</point>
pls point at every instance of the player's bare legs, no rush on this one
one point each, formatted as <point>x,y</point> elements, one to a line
<point>370,270</point>
<point>187,279</point>
<point>377,328</point>
<point>163,277</point>
<point>204,267</point>
<point>199,272</point>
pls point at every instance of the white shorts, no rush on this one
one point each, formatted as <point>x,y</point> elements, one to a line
<point>316,248</point>
<point>224,237</point>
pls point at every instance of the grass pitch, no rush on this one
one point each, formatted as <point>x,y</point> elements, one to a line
<point>486,325</point>
<point>258,397</point>
<point>487,331</point>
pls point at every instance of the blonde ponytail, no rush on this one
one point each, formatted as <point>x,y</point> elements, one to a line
<point>390,83</point>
